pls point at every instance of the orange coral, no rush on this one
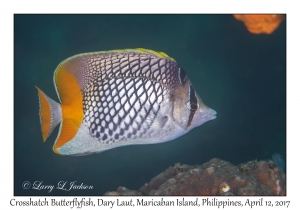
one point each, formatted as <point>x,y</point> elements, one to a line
<point>258,24</point>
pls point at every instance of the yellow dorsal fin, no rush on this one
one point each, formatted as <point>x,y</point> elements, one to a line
<point>160,54</point>
<point>140,50</point>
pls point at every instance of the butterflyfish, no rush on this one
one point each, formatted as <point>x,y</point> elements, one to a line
<point>116,98</point>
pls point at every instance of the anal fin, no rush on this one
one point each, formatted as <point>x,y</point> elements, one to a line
<point>67,132</point>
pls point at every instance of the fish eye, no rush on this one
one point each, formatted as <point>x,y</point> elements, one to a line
<point>191,105</point>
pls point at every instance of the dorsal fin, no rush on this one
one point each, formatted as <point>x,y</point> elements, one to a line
<point>77,66</point>
<point>159,54</point>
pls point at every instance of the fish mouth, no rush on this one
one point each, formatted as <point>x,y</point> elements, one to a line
<point>203,115</point>
<point>211,114</point>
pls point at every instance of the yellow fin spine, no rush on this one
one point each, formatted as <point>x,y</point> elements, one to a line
<point>141,50</point>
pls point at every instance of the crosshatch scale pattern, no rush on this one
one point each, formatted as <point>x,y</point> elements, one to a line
<point>123,96</point>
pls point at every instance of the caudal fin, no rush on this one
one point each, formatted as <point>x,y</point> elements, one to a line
<point>50,114</point>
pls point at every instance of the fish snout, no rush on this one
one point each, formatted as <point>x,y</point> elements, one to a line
<point>202,115</point>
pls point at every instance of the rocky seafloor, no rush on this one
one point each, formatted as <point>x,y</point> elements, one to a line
<point>216,177</point>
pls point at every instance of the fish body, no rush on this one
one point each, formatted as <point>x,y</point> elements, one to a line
<point>117,98</point>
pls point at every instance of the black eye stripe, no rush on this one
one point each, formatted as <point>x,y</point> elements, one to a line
<point>193,99</point>
<point>182,75</point>
<point>193,103</point>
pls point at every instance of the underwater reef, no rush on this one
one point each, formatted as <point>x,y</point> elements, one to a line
<point>216,177</point>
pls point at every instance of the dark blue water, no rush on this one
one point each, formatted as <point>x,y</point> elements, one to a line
<point>240,75</point>
<point>279,161</point>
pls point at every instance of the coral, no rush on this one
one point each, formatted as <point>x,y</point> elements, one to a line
<point>216,177</point>
<point>258,23</point>
<point>123,191</point>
